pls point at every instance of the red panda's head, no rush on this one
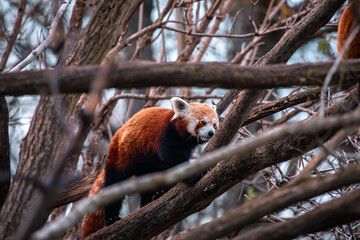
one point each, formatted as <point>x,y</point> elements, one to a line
<point>200,118</point>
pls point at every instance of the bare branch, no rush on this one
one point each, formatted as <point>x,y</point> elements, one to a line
<point>281,104</point>
<point>14,34</point>
<point>130,75</point>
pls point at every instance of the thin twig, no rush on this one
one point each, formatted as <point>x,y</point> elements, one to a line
<point>14,34</point>
<point>315,162</point>
<point>46,42</point>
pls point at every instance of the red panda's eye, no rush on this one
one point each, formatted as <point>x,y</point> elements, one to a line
<point>203,123</point>
<point>214,125</point>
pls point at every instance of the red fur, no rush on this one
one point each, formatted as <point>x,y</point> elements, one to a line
<point>141,136</point>
<point>126,144</point>
<point>154,121</point>
<point>180,125</point>
<point>347,23</point>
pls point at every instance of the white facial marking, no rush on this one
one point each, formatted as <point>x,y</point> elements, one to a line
<point>192,126</point>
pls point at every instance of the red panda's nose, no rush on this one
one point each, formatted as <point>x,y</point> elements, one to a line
<point>211,133</point>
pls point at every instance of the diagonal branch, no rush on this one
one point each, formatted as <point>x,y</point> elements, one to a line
<point>268,109</point>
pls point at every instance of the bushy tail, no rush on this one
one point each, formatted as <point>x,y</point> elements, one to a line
<point>94,221</point>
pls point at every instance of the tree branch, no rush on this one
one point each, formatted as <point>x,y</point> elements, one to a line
<point>46,42</point>
<point>14,34</point>
<point>136,75</point>
<point>268,109</point>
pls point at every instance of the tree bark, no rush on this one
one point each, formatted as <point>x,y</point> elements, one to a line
<point>46,141</point>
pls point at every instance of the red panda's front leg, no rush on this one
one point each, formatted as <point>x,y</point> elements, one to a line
<point>113,176</point>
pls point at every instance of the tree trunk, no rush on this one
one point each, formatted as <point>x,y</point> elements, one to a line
<point>46,140</point>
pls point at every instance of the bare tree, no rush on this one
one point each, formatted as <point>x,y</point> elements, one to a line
<point>266,175</point>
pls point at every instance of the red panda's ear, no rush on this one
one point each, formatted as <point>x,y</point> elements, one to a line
<point>180,107</point>
<point>214,107</point>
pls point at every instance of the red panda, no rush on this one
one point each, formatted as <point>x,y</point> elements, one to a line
<point>347,23</point>
<point>154,139</point>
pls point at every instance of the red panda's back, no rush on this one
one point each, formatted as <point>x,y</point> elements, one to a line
<point>140,135</point>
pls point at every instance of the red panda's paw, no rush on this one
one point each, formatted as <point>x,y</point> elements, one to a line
<point>110,221</point>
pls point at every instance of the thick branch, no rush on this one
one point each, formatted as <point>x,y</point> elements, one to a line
<point>80,189</point>
<point>136,75</point>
